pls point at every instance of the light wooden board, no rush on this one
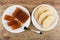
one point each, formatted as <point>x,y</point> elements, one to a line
<point>28,35</point>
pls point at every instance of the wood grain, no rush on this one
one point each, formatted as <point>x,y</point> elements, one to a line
<point>28,35</point>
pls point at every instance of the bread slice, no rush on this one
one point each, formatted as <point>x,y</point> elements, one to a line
<point>48,21</point>
<point>40,10</point>
<point>43,16</point>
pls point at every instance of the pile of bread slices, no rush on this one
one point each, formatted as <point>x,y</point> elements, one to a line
<point>44,16</point>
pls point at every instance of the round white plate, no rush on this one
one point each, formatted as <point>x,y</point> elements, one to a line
<point>39,26</point>
<point>9,11</point>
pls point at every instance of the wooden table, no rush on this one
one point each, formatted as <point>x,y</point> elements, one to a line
<point>28,35</point>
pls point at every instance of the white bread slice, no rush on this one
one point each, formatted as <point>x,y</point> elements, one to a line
<point>40,10</point>
<point>43,16</point>
<point>48,21</point>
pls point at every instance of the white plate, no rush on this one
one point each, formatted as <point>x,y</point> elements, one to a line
<point>9,11</point>
<point>39,26</point>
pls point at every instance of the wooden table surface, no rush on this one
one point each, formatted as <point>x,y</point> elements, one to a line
<point>28,35</point>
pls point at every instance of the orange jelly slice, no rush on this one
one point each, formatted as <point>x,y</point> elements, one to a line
<point>20,15</point>
<point>8,18</point>
<point>14,24</point>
